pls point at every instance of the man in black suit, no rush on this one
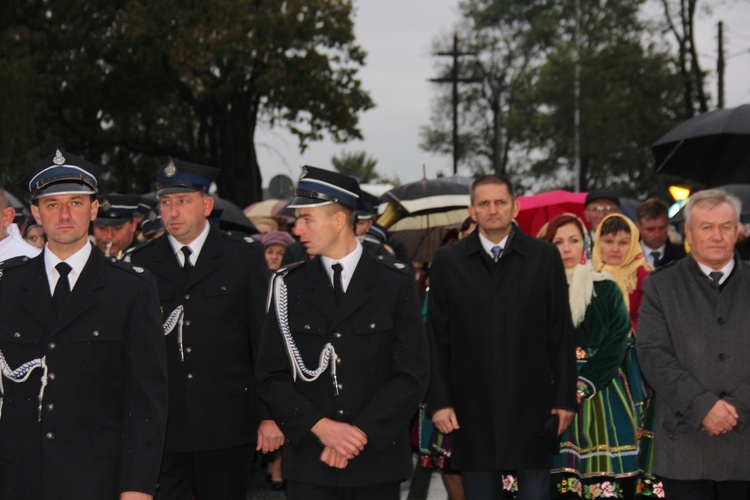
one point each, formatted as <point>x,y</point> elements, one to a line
<point>81,337</point>
<point>502,349</point>
<point>212,288</point>
<point>652,221</point>
<point>343,361</point>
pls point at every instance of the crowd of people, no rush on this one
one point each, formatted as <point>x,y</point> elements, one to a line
<point>146,353</point>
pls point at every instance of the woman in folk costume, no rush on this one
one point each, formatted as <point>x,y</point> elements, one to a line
<point>598,452</point>
<point>617,250</point>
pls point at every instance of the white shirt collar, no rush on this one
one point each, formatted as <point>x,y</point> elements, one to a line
<point>487,244</point>
<point>348,265</point>
<point>647,249</point>
<point>77,262</point>
<point>727,270</point>
<point>195,246</point>
<point>13,245</point>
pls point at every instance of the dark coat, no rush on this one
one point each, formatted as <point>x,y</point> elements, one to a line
<point>693,348</point>
<point>383,369</point>
<point>502,349</point>
<point>672,252</point>
<point>104,408</point>
<point>213,401</point>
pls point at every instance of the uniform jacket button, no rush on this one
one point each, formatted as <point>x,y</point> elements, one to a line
<point>187,322</point>
<point>17,335</point>
<point>188,350</point>
<point>50,435</point>
<point>337,335</point>
<point>95,333</point>
<point>50,407</point>
<point>52,345</point>
<point>190,376</point>
<point>52,376</point>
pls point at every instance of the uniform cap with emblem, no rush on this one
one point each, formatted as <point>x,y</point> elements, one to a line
<point>116,209</point>
<point>177,176</point>
<point>61,173</point>
<point>152,223</point>
<point>367,207</point>
<point>317,187</point>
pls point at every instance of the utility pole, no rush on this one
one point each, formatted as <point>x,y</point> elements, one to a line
<point>720,66</point>
<point>577,101</point>
<point>455,80</point>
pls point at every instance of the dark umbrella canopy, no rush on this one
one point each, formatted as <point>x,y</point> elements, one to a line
<point>230,216</point>
<point>426,196</point>
<point>712,148</point>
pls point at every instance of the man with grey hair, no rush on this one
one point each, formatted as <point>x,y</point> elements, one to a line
<point>693,349</point>
<point>12,243</point>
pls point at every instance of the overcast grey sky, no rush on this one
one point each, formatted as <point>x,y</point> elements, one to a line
<point>398,34</point>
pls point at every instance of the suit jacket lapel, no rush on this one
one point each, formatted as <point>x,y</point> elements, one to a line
<point>37,296</point>
<point>320,291</point>
<point>167,264</point>
<point>84,295</point>
<point>209,258</point>
<point>356,293</point>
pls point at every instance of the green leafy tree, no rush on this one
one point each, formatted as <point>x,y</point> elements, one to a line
<point>521,117</point>
<point>359,165</point>
<point>129,83</point>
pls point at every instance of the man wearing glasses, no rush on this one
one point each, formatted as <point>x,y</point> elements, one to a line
<point>600,204</point>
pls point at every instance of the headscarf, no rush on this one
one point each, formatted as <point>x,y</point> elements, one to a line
<point>625,275</point>
<point>580,278</point>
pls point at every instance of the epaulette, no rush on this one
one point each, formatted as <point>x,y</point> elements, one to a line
<point>240,236</point>
<point>14,262</point>
<point>284,270</point>
<point>392,264</point>
<point>127,266</point>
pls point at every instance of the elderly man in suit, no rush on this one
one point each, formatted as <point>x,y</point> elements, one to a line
<point>84,404</point>
<point>503,377</point>
<point>212,289</point>
<point>652,219</point>
<point>693,348</point>
<point>343,362</point>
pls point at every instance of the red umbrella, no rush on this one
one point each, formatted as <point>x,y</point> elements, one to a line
<point>536,210</point>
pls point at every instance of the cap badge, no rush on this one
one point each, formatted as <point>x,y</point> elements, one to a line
<point>152,216</point>
<point>303,174</point>
<point>138,269</point>
<point>59,159</point>
<point>105,205</point>
<point>171,169</point>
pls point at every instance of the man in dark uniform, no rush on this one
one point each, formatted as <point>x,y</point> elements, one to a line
<point>346,420</point>
<point>212,288</point>
<point>115,225</point>
<point>84,401</point>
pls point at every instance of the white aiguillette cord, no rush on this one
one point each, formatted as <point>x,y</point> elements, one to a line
<point>21,374</point>
<point>176,319</point>
<point>327,355</point>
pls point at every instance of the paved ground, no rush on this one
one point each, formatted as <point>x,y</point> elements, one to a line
<point>427,486</point>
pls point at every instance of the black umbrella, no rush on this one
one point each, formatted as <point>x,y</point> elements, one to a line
<point>230,217</point>
<point>422,198</point>
<point>712,148</point>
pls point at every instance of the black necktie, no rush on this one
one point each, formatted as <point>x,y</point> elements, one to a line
<point>62,288</point>
<point>186,252</point>
<point>716,276</point>
<point>337,285</point>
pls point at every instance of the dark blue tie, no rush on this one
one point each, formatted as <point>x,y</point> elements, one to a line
<point>716,276</point>
<point>656,256</point>
<point>496,251</point>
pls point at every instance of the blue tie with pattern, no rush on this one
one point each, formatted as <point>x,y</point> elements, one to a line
<point>496,251</point>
